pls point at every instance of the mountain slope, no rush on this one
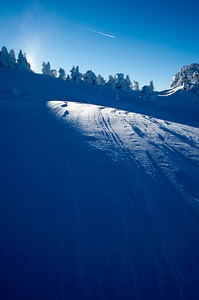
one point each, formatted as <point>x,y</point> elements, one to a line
<point>96,202</point>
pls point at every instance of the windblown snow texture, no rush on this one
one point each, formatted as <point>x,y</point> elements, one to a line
<point>96,202</point>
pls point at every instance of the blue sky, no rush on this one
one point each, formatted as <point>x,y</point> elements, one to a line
<point>152,39</point>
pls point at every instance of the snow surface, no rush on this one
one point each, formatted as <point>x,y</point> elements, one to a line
<point>99,199</point>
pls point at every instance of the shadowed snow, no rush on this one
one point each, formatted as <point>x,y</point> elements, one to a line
<point>97,202</point>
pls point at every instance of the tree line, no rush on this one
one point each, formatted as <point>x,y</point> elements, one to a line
<point>117,82</point>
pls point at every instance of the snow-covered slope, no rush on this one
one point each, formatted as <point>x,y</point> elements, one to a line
<point>98,201</point>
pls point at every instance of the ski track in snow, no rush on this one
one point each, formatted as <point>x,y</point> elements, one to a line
<point>126,136</point>
<point>162,153</point>
<point>114,215</point>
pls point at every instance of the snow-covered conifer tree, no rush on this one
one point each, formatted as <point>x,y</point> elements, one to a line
<point>62,74</point>
<point>196,76</point>
<point>90,77</point>
<point>46,68</point>
<point>13,61</point>
<point>4,58</point>
<point>147,92</point>
<point>151,85</point>
<point>100,80</point>
<point>53,73</point>
<point>110,81</point>
<point>120,81</point>
<point>68,77</point>
<point>22,63</point>
<point>135,86</point>
<point>128,82</point>
<point>73,74</point>
<point>187,77</point>
<point>76,76</point>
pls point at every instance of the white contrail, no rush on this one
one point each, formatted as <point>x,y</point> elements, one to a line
<point>99,32</point>
<point>102,33</point>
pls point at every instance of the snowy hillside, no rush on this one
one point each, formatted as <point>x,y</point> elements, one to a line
<point>99,198</point>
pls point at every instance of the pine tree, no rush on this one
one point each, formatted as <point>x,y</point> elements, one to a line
<point>151,85</point>
<point>76,76</point>
<point>62,74</point>
<point>187,77</point>
<point>147,92</point>
<point>68,77</point>
<point>90,77</point>
<point>128,82</point>
<point>53,73</point>
<point>135,86</point>
<point>46,68</point>
<point>22,63</point>
<point>120,81</point>
<point>110,81</point>
<point>4,58</point>
<point>100,80</point>
<point>13,62</point>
